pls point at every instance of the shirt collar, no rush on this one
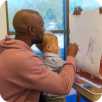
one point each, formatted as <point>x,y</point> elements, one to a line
<point>48,54</point>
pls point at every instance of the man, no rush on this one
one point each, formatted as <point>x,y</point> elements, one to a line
<point>22,74</point>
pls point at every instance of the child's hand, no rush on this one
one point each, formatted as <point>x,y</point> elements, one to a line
<point>73,49</point>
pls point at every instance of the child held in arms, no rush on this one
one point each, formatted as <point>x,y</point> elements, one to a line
<point>51,58</point>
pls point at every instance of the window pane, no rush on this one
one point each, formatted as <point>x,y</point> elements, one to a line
<point>51,10</point>
<point>60,37</point>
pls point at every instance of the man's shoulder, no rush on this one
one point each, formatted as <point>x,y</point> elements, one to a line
<point>17,54</point>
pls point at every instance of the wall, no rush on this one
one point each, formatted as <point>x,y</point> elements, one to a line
<point>3,23</point>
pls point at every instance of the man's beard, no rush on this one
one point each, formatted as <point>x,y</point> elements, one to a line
<point>38,39</point>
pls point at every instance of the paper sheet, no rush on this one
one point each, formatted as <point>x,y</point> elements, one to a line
<point>86,31</point>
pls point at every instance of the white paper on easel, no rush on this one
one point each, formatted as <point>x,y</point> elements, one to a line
<point>86,31</point>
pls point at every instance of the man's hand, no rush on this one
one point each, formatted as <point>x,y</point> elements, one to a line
<point>73,49</point>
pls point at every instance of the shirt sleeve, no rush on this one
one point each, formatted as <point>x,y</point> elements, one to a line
<point>34,75</point>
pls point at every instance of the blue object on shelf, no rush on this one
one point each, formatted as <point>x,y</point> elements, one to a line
<point>72,97</point>
<point>83,99</point>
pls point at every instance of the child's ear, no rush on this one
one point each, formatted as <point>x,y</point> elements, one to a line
<point>48,46</point>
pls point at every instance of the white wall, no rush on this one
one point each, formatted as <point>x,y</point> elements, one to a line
<point>3,23</point>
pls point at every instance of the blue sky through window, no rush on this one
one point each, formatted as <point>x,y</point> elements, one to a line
<point>51,10</point>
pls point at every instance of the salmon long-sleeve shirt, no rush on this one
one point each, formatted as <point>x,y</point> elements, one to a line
<point>23,75</point>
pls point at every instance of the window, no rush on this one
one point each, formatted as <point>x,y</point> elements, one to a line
<point>51,11</point>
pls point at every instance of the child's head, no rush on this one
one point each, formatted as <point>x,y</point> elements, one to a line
<point>49,44</point>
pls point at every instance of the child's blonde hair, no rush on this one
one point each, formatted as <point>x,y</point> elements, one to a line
<point>50,43</point>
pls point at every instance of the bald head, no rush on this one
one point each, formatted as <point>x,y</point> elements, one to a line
<point>25,18</point>
<point>28,22</point>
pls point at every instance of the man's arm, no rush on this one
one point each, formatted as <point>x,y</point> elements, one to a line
<point>35,75</point>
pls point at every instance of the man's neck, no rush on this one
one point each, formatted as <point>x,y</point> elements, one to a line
<point>25,39</point>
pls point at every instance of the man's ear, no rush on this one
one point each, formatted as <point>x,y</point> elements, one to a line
<point>30,29</point>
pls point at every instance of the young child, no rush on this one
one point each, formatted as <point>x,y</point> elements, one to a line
<point>51,57</point>
<point>50,50</point>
